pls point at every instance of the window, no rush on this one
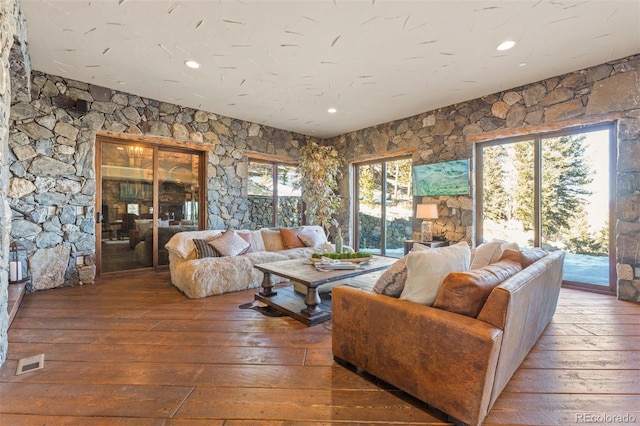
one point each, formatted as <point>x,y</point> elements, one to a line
<point>552,191</point>
<point>384,206</point>
<point>274,194</point>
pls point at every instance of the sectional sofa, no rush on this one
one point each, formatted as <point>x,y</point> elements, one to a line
<point>207,276</point>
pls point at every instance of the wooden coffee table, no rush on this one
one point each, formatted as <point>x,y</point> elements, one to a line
<point>308,310</point>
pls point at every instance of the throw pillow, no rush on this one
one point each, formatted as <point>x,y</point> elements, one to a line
<point>391,282</point>
<point>465,292</point>
<point>312,238</point>
<point>254,238</point>
<point>204,249</point>
<point>490,252</point>
<point>426,271</point>
<point>229,244</point>
<point>290,238</point>
<point>272,239</point>
<point>525,257</point>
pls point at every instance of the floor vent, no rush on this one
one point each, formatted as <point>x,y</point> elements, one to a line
<point>32,363</point>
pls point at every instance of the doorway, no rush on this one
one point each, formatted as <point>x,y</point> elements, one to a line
<point>146,194</point>
<point>383,209</point>
<point>553,191</point>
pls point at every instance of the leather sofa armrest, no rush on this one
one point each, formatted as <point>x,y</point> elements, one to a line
<point>443,358</point>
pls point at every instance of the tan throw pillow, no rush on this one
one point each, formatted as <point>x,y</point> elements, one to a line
<point>229,244</point>
<point>272,239</point>
<point>427,269</point>
<point>312,238</point>
<point>391,282</point>
<point>465,292</point>
<point>525,257</point>
<point>490,252</point>
<point>290,238</point>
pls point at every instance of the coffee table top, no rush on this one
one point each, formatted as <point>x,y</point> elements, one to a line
<point>304,271</point>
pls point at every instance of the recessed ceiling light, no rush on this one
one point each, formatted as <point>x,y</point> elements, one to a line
<point>192,64</point>
<point>332,110</point>
<point>522,64</point>
<point>506,45</point>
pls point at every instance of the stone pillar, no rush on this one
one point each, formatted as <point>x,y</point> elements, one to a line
<point>13,57</point>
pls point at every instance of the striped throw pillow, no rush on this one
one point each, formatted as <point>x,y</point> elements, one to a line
<point>204,249</point>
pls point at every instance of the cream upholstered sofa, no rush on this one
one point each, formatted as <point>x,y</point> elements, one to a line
<point>209,276</point>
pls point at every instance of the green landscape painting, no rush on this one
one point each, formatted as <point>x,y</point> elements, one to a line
<point>448,178</point>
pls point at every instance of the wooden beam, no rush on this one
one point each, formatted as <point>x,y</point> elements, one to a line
<point>153,140</point>
<point>543,128</point>
<point>384,155</point>
<point>259,156</point>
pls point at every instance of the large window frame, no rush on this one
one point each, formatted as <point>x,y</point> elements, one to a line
<point>537,139</point>
<point>276,164</point>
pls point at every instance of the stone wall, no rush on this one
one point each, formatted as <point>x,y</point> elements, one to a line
<point>14,63</point>
<point>261,211</point>
<point>53,174</point>
<point>448,133</point>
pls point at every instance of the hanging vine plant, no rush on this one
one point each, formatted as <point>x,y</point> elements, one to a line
<point>319,175</point>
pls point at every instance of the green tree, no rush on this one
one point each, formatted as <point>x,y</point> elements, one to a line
<point>565,175</point>
<point>495,197</point>
<point>523,192</point>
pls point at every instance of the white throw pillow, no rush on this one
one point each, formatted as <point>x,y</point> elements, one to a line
<point>427,269</point>
<point>312,238</point>
<point>490,252</point>
<point>229,243</point>
<point>420,247</point>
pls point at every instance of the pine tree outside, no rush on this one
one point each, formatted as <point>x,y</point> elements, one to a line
<point>574,199</point>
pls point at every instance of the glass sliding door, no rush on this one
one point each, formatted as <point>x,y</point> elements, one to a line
<point>575,203</point>
<point>508,192</point>
<point>385,206</point>
<point>147,193</point>
<point>127,197</point>
<point>552,191</point>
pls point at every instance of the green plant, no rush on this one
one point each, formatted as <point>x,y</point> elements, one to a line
<point>319,175</point>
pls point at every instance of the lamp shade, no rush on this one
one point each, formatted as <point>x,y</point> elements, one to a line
<point>427,211</point>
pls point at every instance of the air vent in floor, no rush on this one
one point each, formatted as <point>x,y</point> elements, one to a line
<point>32,363</point>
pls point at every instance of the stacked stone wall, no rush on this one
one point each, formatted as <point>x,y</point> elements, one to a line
<point>52,165</point>
<point>261,211</point>
<point>447,133</point>
<point>14,63</point>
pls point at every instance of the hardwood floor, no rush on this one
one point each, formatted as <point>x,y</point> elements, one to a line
<point>135,351</point>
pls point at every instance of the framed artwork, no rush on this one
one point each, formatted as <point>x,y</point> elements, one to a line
<point>447,178</point>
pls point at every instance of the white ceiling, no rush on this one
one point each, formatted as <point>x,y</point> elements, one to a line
<point>284,63</point>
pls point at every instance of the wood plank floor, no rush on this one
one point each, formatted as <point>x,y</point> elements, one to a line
<point>135,351</point>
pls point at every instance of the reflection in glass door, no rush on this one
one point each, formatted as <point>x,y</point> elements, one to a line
<point>553,192</point>
<point>147,194</point>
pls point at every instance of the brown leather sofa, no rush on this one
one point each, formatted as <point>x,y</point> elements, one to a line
<point>455,363</point>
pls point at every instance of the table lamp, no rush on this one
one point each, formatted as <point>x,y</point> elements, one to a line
<point>424,212</point>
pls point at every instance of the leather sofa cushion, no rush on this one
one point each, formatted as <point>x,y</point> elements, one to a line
<point>525,257</point>
<point>290,238</point>
<point>465,292</point>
